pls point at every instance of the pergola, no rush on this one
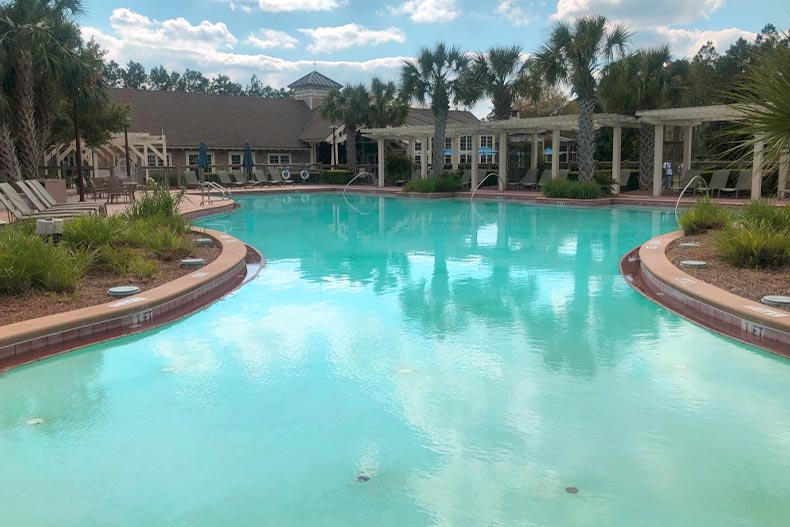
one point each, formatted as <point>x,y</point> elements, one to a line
<point>688,118</point>
<point>532,126</point>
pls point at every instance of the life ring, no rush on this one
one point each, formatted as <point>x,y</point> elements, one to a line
<point>285,174</point>
<point>304,174</point>
<point>287,200</point>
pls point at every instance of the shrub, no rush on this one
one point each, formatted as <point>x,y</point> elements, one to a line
<point>115,259</point>
<point>777,218</point>
<point>754,244</point>
<point>703,216</point>
<point>572,189</point>
<point>336,177</point>
<point>398,166</point>
<point>605,181</point>
<point>27,261</point>
<point>169,245</point>
<point>94,232</point>
<point>443,183</point>
<point>158,202</point>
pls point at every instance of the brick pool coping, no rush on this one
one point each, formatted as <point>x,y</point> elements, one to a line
<point>34,339</point>
<point>648,270</point>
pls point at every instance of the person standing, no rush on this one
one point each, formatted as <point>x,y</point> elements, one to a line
<point>667,174</point>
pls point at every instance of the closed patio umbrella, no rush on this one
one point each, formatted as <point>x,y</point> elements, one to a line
<point>246,161</point>
<point>203,159</point>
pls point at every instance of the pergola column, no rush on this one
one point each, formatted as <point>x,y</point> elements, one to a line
<point>502,161</point>
<point>475,159</point>
<point>617,135</point>
<point>312,153</point>
<point>658,157</point>
<point>555,153</point>
<point>784,170</point>
<point>688,133</point>
<point>757,170</point>
<point>380,145</point>
<point>533,162</point>
<point>424,158</point>
<point>455,155</point>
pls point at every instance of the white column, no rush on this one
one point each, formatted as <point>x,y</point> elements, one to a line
<point>784,170</point>
<point>145,160</point>
<point>333,153</point>
<point>617,135</point>
<point>456,153</point>
<point>688,134</point>
<point>410,152</point>
<point>555,154</point>
<point>658,158</point>
<point>502,161</point>
<point>380,145</point>
<point>533,162</point>
<point>757,170</point>
<point>426,155</point>
<point>475,160</point>
<point>312,153</point>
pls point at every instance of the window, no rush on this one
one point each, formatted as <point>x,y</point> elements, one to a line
<point>154,160</point>
<point>466,143</point>
<point>417,146</point>
<point>279,159</point>
<point>235,158</point>
<point>192,158</point>
<point>487,142</point>
<point>465,157</point>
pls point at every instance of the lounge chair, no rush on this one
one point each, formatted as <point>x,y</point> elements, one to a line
<point>192,180</point>
<point>19,209</point>
<point>686,178</point>
<point>718,181</point>
<point>562,175</point>
<point>545,177</point>
<point>743,184</point>
<point>239,178</point>
<point>530,179</point>
<point>625,178</point>
<point>42,200</point>
<point>466,178</point>
<point>259,176</point>
<point>225,181</point>
<point>277,178</point>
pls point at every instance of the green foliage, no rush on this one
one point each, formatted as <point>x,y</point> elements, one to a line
<point>94,232</point>
<point>26,261</point>
<point>703,216</point>
<point>777,218</point>
<point>124,261</point>
<point>572,189</point>
<point>158,203</point>
<point>754,244</point>
<point>336,177</point>
<point>398,166</point>
<point>444,183</point>
<point>168,244</point>
<point>605,181</point>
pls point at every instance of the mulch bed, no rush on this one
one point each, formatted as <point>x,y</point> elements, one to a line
<point>747,283</point>
<point>92,290</point>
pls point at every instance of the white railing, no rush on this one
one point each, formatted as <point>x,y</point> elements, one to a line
<point>483,181</point>
<point>677,203</point>
<point>206,190</point>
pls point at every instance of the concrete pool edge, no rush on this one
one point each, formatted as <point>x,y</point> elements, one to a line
<point>648,270</point>
<point>39,338</point>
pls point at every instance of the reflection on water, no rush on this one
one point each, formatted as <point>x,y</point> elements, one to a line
<point>471,361</point>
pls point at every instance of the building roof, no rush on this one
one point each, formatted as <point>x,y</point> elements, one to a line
<point>313,80</point>
<point>220,121</point>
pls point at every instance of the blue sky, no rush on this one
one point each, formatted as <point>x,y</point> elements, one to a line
<point>352,40</point>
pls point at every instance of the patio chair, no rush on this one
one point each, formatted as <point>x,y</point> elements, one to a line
<point>19,209</point>
<point>98,186</point>
<point>277,178</point>
<point>687,176</point>
<point>545,177</point>
<point>718,181</point>
<point>225,181</point>
<point>742,184</point>
<point>466,178</point>
<point>625,177</point>
<point>116,188</point>
<point>34,189</point>
<point>530,179</point>
<point>562,175</point>
<point>239,178</point>
<point>192,180</point>
<point>259,176</point>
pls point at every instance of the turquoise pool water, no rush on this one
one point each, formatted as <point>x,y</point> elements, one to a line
<point>473,363</point>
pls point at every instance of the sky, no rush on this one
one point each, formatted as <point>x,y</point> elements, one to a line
<point>354,40</point>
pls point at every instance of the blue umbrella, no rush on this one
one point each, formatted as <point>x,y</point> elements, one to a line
<point>246,161</point>
<point>202,159</point>
<point>486,151</point>
<point>448,151</point>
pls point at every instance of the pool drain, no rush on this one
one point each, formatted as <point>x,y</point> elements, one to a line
<point>776,301</point>
<point>688,245</point>
<point>35,421</point>
<point>363,478</point>
<point>571,490</point>
<point>122,291</point>
<point>693,263</point>
<point>192,263</point>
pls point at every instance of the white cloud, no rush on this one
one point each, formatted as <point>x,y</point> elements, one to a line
<point>639,13</point>
<point>270,39</point>
<point>285,6</point>
<point>685,42</point>
<point>514,12</point>
<point>424,11</point>
<point>330,39</point>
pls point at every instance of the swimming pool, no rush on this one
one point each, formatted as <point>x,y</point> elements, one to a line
<point>407,362</point>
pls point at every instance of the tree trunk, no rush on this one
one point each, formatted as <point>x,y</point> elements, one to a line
<point>439,134</point>
<point>586,139</point>
<point>647,141</point>
<point>78,154</point>
<point>351,148</point>
<point>27,146</point>
<point>45,118</point>
<point>9,164</point>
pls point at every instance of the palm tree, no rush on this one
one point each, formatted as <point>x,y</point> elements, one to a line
<point>645,80</point>
<point>9,164</point>
<point>386,107</point>
<point>32,33</point>
<point>437,74</point>
<point>501,74</point>
<point>348,106</point>
<point>574,55</point>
